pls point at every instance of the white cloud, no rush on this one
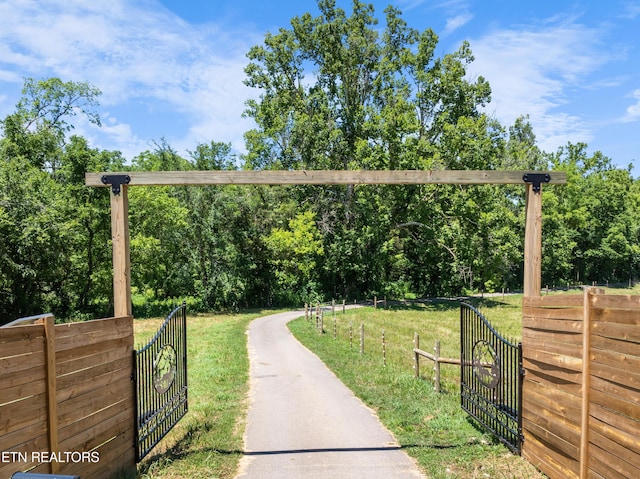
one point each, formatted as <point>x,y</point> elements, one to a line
<point>456,22</point>
<point>135,51</point>
<point>632,10</point>
<point>633,111</point>
<point>407,5</point>
<point>532,70</point>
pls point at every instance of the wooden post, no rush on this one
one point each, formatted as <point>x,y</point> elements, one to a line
<point>351,335</point>
<point>533,242</point>
<point>52,403</point>
<point>121,258</point>
<point>384,350</point>
<point>586,379</point>
<point>436,366</point>
<point>416,356</point>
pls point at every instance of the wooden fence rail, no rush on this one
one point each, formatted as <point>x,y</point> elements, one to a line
<point>437,360</point>
<point>66,405</point>
<point>316,314</point>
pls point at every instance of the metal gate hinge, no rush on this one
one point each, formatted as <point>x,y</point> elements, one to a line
<point>116,181</point>
<point>536,179</point>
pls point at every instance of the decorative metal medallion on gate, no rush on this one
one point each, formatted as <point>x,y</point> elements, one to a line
<point>486,364</point>
<point>164,368</point>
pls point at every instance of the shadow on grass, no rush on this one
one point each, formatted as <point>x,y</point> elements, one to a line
<point>182,449</point>
<point>184,446</point>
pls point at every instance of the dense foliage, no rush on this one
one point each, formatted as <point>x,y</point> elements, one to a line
<point>336,92</point>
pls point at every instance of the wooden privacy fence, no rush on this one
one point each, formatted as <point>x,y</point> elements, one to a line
<point>581,397</point>
<point>66,398</point>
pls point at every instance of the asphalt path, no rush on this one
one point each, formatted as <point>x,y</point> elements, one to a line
<point>303,422</point>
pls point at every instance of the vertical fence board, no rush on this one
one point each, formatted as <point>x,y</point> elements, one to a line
<point>52,404</point>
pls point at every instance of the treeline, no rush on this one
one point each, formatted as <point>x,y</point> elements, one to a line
<point>336,92</point>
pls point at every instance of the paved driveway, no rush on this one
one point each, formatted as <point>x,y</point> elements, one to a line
<point>303,422</point>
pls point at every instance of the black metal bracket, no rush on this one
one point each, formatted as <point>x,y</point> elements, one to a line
<point>536,179</point>
<point>116,181</point>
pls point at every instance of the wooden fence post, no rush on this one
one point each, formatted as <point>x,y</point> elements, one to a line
<point>586,379</point>
<point>351,335</point>
<point>533,242</point>
<point>416,356</point>
<point>52,403</point>
<point>384,351</point>
<point>121,260</point>
<point>436,366</point>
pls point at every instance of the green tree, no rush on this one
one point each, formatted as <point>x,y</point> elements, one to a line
<point>339,92</point>
<point>38,129</point>
<point>88,220</point>
<point>54,241</point>
<point>294,255</point>
<point>227,253</point>
<point>590,228</point>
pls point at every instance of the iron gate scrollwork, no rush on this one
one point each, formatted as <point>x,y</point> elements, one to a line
<point>491,378</point>
<point>160,377</point>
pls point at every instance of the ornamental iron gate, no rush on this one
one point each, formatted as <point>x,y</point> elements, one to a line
<point>160,377</point>
<point>491,378</point>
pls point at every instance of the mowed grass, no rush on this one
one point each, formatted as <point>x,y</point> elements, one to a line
<point>430,426</point>
<point>207,443</point>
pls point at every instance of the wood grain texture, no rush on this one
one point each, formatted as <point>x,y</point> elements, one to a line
<point>586,383</point>
<point>68,387</point>
<point>323,177</point>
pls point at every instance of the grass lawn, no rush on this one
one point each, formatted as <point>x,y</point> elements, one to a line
<point>207,442</point>
<point>430,426</point>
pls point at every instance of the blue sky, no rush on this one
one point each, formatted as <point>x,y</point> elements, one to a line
<point>174,68</point>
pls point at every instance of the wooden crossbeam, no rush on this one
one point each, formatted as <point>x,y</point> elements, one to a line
<point>324,177</point>
<point>120,182</point>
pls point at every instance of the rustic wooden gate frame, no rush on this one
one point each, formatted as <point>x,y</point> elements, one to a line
<point>120,183</point>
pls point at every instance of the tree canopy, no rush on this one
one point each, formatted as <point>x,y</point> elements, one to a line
<point>336,91</point>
